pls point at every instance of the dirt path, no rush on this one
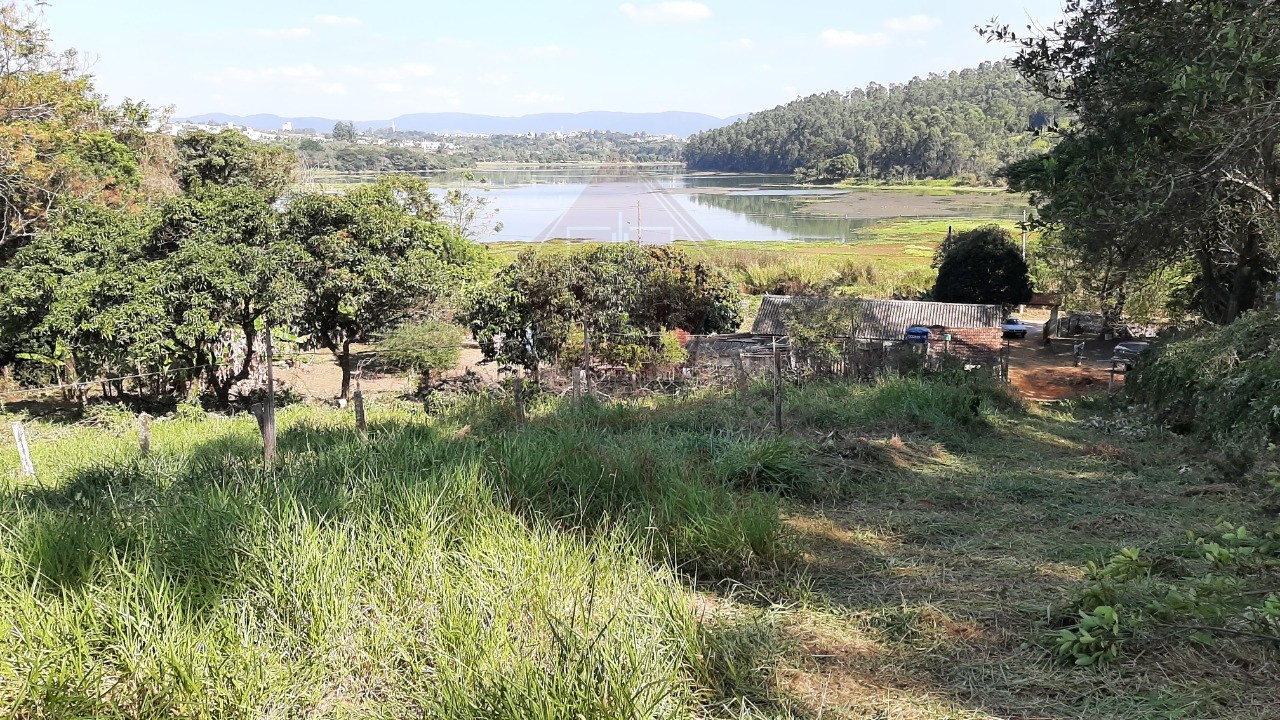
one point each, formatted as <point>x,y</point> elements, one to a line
<point>1046,373</point>
<point>318,376</point>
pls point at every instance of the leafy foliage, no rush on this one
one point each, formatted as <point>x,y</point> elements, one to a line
<point>984,266</point>
<point>230,159</point>
<point>1172,159</point>
<point>369,257</point>
<point>1130,599</point>
<point>619,294</point>
<point>423,347</point>
<point>1222,384</point>
<point>59,141</point>
<point>970,122</point>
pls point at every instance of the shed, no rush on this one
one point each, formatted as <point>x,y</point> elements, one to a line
<point>880,319</point>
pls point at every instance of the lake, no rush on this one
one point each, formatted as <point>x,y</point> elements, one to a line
<point>657,204</point>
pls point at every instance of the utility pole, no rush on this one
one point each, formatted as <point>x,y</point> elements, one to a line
<point>1024,236</point>
<point>639,225</point>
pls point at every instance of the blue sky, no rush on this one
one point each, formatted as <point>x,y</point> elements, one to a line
<point>379,59</point>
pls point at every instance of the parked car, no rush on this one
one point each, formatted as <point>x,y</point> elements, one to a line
<point>1013,327</point>
<point>1129,352</point>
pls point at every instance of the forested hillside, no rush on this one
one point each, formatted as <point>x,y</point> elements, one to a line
<point>970,122</point>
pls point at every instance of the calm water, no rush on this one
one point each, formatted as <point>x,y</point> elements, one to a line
<point>665,203</point>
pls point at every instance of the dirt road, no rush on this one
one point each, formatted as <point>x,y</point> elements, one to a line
<point>1044,373</point>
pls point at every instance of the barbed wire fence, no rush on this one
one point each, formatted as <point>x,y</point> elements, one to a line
<point>733,369</point>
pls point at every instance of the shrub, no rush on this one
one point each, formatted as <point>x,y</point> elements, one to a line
<point>423,347</point>
<point>1221,384</point>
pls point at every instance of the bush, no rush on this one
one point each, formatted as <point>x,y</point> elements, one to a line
<point>1221,385</point>
<point>423,347</point>
<point>1130,599</point>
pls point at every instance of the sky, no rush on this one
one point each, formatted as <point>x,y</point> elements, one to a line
<point>383,58</point>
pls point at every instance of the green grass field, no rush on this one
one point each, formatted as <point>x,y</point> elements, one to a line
<point>895,554</point>
<point>891,258</point>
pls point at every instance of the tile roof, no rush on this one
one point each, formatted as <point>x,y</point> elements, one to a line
<point>880,319</point>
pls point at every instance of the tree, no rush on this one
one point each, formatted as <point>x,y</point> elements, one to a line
<point>970,122</point>
<point>983,266</point>
<point>80,297</point>
<point>58,139</point>
<point>231,159</point>
<point>467,209</point>
<point>1174,152</point>
<point>540,306</point>
<point>223,265</point>
<point>344,132</point>
<point>369,258</point>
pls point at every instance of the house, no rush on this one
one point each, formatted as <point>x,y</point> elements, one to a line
<point>962,329</point>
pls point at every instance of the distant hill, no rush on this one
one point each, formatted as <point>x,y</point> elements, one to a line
<point>966,123</point>
<point>682,124</point>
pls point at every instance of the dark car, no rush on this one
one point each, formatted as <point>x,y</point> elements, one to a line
<point>1129,352</point>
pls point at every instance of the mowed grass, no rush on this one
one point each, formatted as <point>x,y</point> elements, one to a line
<point>891,555</point>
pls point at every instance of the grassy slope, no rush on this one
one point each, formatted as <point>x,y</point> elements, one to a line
<point>491,572</point>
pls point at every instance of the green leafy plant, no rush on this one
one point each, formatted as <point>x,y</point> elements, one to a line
<point>423,347</point>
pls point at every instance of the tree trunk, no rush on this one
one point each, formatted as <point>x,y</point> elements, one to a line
<point>344,362</point>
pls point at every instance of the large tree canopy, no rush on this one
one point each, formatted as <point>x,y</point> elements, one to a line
<point>1173,157</point>
<point>369,257</point>
<point>983,266</point>
<point>59,142</point>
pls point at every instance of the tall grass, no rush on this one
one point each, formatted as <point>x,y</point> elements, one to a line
<point>535,573</point>
<point>535,570</point>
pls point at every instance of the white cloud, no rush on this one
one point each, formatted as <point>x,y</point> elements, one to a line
<point>389,87</point>
<point>746,43</point>
<point>537,98</point>
<point>493,79</point>
<point>913,24</point>
<point>335,20</point>
<point>545,51</point>
<point>283,33</point>
<point>306,71</point>
<point>766,67</point>
<point>849,39</point>
<point>333,88</point>
<point>666,12</point>
<point>418,69</point>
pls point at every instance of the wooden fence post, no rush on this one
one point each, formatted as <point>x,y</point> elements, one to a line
<point>144,433</point>
<point>777,388</point>
<point>577,389</point>
<point>586,359</point>
<point>740,372</point>
<point>517,392</point>
<point>362,426</point>
<point>269,410</point>
<point>24,450</point>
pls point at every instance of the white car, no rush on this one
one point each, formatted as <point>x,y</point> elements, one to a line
<point>1013,327</point>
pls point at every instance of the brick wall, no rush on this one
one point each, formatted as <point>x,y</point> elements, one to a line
<point>977,343</point>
